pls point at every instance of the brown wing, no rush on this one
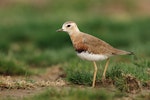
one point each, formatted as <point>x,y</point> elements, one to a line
<point>97,46</point>
<point>86,42</point>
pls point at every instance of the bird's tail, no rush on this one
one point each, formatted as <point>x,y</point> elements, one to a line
<point>122,52</point>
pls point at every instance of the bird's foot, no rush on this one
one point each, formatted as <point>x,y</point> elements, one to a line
<point>103,79</point>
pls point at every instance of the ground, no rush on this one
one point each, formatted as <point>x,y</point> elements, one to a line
<point>19,87</point>
<point>30,45</point>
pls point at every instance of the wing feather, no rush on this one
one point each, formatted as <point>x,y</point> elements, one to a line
<point>96,45</point>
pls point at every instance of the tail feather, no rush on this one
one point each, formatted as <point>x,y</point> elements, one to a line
<point>122,52</point>
<point>131,53</point>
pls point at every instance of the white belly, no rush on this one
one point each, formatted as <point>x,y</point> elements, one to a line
<point>91,57</point>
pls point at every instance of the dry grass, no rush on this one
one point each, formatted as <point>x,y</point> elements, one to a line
<point>8,82</point>
<point>29,40</point>
<point>52,77</point>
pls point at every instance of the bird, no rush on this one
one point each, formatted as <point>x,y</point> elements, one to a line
<point>91,48</point>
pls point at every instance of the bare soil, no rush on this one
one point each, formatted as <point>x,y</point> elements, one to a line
<point>18,87</point>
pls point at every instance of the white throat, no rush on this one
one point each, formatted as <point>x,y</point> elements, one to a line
<point>70,32</point>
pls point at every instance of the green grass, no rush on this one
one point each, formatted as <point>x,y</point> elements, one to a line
<point>28,39</point>
<point>74,94</point>
<point>10,66</point>
<point>81,73</point>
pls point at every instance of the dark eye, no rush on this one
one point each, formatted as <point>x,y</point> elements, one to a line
<point>68,25</point>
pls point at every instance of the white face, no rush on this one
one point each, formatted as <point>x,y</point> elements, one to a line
<point>69,27</point>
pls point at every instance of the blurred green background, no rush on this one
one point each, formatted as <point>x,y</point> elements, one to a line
<point>29,41</point>
<point>28,36</point>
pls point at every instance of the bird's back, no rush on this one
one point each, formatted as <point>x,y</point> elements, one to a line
<point>86,42</point>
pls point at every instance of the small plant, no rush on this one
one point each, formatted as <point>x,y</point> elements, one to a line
<point>10,67</point>
<point>80,77</point>
<point>79,73</point>
<point>74,94</point>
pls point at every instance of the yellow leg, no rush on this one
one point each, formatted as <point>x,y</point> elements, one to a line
<point>95,72</point>
<point>104,73</point>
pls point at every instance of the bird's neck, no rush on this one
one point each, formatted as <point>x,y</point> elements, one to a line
<point>75,36</point>
<point>74,31</point>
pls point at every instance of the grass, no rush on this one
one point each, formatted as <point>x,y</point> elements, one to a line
<point>26,83</point>
<point>28,39</point>
<point>67,93</point>
<point>136,73</point>
<point>12,67</point>
<point>73,94</point>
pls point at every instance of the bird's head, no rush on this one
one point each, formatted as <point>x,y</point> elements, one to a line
<point>69,27</point>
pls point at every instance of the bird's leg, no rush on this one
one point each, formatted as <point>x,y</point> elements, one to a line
<point>104,73</point>
<point>95,72</point>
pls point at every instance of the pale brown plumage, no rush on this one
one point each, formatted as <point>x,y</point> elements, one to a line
<point>90,48</point>
<point>94,45</point>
